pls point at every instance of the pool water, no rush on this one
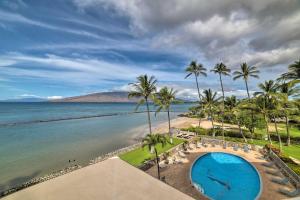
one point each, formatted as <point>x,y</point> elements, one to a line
<point>225,176</point>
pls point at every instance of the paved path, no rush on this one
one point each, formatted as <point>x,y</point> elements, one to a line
<point>110,179</point>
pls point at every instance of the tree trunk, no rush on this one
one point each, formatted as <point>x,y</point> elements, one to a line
<point>212,122</point>
<point>149,119</point>
<point>157,162</point>
<point>223,105</point>
<point>288,141</point>
<point>278,135</point>
<point>252,114</point>
<point>241,132</point>
<point>199,99</point>
<point>267,129</point>
<point>169,121</point>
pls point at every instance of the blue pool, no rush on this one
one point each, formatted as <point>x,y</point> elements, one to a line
<point>225,176</point>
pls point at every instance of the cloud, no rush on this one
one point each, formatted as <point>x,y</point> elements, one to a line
<point>214,30</point>
<point>17,18</point>
<point>54,97</point>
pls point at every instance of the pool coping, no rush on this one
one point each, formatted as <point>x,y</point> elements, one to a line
<point>260,179</point>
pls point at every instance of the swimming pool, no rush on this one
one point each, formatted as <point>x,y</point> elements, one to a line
<point>225,176</point>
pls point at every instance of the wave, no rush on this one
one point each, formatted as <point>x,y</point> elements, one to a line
<point>71,118</point>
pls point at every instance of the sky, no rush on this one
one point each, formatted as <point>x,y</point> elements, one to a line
<point>53,49</point>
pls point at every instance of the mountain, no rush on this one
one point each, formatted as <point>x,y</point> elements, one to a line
<point>100,97</point>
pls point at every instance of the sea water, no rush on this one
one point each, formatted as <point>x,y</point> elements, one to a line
<point>39,138</point>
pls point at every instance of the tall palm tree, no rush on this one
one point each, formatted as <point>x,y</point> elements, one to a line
<point>144,88</point>
<point>163,100</point>
<point>245,73</point>
<point>268,88</point>
<point>287,89</point>
<point>151,140</point>
<point>196,70</point>
<point>262,105</point>
<point>294,71</point>
<point>221,69</point>
<point>209,100</point>
<point>232,108</point>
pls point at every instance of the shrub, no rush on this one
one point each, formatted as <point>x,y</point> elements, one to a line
<point>294,167</point>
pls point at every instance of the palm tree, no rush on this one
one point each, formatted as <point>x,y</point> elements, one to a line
<point>221,69</point>
<point>144,88</point>
<point>275,113</point>
<point>209,100</point>
<point>197,70</point>
<point>231,105</point>
<point>151,140</point>
<point>268,88</point>
<point>287,89</point>
<point>262,105</point>
<point>163,100</point>
<point>245,73</point>
<point>294,71</point>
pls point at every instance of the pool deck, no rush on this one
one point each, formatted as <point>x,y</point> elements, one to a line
<point>177,175</point>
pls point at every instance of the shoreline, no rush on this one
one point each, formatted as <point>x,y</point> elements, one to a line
<point>135,139</point>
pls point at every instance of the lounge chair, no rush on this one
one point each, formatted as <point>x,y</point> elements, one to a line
<point>203,143</point>
<point>281,181</point>
<point>181,154</point>
<point>224,145</point>
<point>269,164</point>
<point>253,147</point>
<point>289,193</point>
<point>236,147</point>
<point>273,172</point>
<point>246,148</point>
<point>198,145</point>
<point>162,164</point>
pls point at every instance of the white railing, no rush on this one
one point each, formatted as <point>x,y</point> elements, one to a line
<point>294,178</point>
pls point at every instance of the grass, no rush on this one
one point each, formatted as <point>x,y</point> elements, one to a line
<point>294,131</point>
<point>293,150</point>
<point>138,156</point>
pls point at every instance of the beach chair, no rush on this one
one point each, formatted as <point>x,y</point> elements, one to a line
<point>273,172</point>
<point>235,147</point>
<point>224,145</point>
<point>289,193</point>
<point>269,164</point>
<point>162,164</point>
<point>246,148</point>
<point>181,154</point>
<point>281,181</point>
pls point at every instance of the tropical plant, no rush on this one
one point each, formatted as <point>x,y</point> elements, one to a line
<point>163,101</point>
<point>144,88</point>
<point>231,106</point>
<point>294,71</point>
<point>275,113</point>
<point>221,69</point>
<point>287,89</point>
<point>209,101</point>
<point>269,89</point>
<point>151,140</point>
<point>245,73</point>
<point>196,70</point>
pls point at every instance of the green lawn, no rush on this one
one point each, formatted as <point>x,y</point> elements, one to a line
<point>294,131</point>
<point>292,150</point>
<point>138,156</point>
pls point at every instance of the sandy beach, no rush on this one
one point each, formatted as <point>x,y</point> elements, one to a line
<point>185,122</point>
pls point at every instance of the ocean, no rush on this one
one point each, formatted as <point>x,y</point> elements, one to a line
<point>39,138</point>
